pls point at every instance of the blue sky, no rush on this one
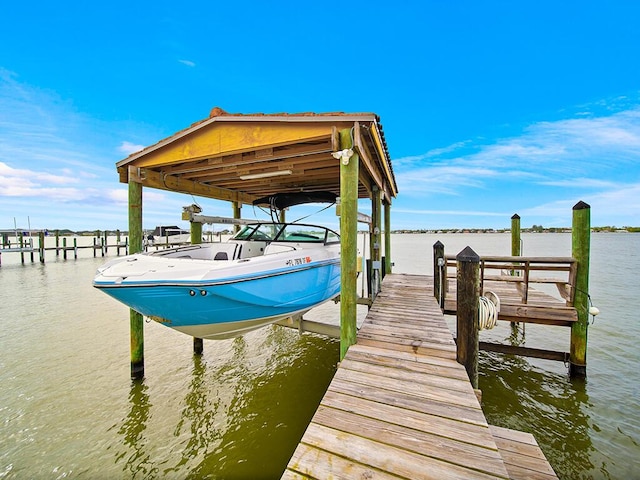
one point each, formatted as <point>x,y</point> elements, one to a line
<point>489,108</point>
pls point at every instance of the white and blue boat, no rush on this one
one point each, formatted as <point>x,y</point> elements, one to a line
<point>267,272</point>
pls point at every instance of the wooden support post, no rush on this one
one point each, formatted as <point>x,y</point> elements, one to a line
<point>348,244</point>
<point>468,295</point>
<point>21,244</point>
<point>196,239</point>
<point>118,242</point>
<point>105,244</point>
<point>57,243</point>
<point>136,322</point>
<point>237,214</point>
<point>580,250</point>
<point>387,238</point>
<point>282,217</point>
<point>439,273</point>
<point>516,250</point>
<point>75,248</point>
<point>375,242</point>
<point>41,246</point>
<point>64,248</point>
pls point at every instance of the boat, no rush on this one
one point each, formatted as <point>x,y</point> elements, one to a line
<point>267,272</point>
<point>168,235</point>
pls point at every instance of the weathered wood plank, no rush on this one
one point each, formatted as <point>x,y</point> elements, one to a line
<point>414,363</point>
<point>420,378</point>
<point>416,346</point>
<point>473,434</point>
<point>433,406</point>
<point>400,406</point>
<point>388,458</point>
<point>406,437</point>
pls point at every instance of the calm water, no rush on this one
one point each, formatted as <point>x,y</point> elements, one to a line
<point>69,409</point>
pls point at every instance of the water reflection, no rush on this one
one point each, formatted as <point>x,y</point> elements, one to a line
<point>240,417</point>
<point>137,456</point>
<point>520,396</point>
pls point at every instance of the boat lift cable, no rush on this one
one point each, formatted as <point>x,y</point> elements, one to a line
<point>488,309</point>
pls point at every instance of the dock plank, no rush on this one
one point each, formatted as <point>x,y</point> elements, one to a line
<point>400,406</point>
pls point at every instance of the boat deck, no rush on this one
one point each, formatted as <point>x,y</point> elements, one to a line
<point>400,406</point>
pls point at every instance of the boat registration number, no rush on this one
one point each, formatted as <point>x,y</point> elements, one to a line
<point>298,261</point>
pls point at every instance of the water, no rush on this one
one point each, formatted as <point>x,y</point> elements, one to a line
<point>69,409</point>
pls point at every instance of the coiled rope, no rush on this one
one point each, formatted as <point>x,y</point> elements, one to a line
<point>488,309</point>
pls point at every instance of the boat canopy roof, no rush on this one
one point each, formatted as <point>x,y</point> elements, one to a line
<point>280,201</point>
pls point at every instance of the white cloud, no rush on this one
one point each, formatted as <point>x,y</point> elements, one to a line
<point>129,148</point>
<point>188,63</point>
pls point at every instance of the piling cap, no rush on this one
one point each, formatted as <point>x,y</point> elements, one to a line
<point>515,217</point>
<point>581,205</point>
<point>468,255</point>
<point>438,244</point>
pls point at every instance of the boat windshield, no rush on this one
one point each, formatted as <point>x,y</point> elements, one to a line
<point>261,232</point>
<point>307,233</point>
<point>291,232</point>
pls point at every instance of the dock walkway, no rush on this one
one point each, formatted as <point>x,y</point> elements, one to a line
<point>400,406</point>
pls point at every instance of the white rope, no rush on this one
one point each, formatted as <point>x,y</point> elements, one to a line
<point>488,309</point>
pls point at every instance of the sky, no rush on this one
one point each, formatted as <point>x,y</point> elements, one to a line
<point>489,108</point>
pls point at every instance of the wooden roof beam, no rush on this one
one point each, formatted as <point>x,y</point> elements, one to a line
<point>150,178</point>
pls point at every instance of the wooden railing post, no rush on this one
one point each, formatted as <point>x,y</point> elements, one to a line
<point>439,272</point>
<point>468,295</point>
<point>580,248</point>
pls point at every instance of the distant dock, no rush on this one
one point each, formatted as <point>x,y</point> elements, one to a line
<point>401,406</point>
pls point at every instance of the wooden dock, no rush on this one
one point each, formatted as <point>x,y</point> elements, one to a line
<point>400,406</point>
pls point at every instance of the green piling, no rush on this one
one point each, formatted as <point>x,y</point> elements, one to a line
<point>515,236</point>
<point>348,244</point>
<point>387,238</point>
<point>41,246</point>
<point>580,250</point>
<point>196,239</point>
<point>136,322</point>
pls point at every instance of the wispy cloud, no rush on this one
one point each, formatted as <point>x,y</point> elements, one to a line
<point>129,148</point>
<point>550,153</point>
<point>188,63</point>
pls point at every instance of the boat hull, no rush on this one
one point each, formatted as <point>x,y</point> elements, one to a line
<point>227,307</point>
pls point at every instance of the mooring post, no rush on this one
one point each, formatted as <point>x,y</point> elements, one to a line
<point>387,237</point>
<point>41,246</point>
<point>21,244</point>
<point>196,239</point>
<point>136,323</point>
<point>580,250</point>
<point>348,242</point>
<point>64,248</point>
<point>516,248</point>
<point>75,248</point>
<point>439,273</point>
<point>516,251</point>
<point>57,243</point>
<point>468,296</point>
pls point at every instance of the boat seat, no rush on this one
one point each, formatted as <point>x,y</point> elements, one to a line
<point>221,256</point>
